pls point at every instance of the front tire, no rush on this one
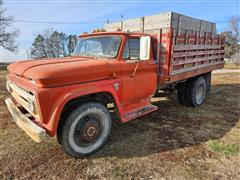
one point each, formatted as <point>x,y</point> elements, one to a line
<point>86,130</point>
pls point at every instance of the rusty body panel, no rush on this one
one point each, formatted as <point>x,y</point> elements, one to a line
<point>52,100</point>
<point>59,72</point>
<point>57,81</point>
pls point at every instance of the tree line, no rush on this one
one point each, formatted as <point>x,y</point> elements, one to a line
<point>53,44</point>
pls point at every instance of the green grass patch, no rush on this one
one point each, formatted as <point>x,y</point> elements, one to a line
<point>227,149</point>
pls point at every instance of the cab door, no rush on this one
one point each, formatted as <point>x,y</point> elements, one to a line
<point>139,78</point>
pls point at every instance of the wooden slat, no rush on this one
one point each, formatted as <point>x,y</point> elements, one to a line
<point>192,73</point>
<point>177,21</point>
<point>195,47</point>
<point>174,72</point>
<point>157,21</point>
<point>190,23</point>
<point>131,25</point>
<point>142,25</point>
<point>159,47</point>
<point>112,26</point>
<point>195,53</point>
<point>186,61</point>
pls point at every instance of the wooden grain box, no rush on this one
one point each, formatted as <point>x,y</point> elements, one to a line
<point>152,24</point>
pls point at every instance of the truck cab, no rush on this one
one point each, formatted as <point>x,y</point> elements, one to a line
<point>71,97</point>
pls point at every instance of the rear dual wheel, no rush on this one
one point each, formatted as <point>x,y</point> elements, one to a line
<point>192,92</point>
<point>196,92</point>
<point>86,130</point>
<point>181,93</point>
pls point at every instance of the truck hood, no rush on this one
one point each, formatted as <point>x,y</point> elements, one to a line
<point>62,71</point>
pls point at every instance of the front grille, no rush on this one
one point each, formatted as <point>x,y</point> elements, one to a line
<point>23,98</point>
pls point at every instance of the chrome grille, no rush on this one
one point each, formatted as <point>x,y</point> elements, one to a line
<point>23,97</point>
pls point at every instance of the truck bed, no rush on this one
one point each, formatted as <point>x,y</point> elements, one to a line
<point>184,47</point>
<point>184,55</point>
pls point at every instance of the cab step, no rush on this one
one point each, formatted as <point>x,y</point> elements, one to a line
<point>138,112</point>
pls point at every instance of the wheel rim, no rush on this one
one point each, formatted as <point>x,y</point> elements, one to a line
<point>80,145</point>
<point>200,94</point>
<point>87,130</point>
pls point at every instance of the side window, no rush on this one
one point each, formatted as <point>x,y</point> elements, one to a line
<point>132,49</point>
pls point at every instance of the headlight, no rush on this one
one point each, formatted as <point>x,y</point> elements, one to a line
<point>30,105</point>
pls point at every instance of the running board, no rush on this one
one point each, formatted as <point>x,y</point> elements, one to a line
<point>139,112</point>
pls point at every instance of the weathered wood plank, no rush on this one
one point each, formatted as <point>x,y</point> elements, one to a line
<point>186,61</point>
<point>112,26</point>
<point>132,25</point>
<point>157,21</point>
<point>179,22</point>
<point>196,53</point>
<point>195,47</point>
<point>174,72</point>
<point>192,73</point>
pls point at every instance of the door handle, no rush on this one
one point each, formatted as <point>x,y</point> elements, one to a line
<point>152,63</point>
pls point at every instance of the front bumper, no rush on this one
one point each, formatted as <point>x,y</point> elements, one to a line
<point>37,133</point>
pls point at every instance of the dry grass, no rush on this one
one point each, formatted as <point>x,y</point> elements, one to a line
<point>175,142</point>
<point>231,66</point>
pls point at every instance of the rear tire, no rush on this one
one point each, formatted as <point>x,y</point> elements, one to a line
<point>196,91</point>
<point>181,93</point>
<point>86,130</point>
<point>208,77</point>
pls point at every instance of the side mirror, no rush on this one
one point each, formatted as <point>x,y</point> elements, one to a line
<point>145,42</point>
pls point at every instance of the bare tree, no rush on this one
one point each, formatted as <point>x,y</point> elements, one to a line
<point>7,36</point>
<point>232,37</point>
<point>234,26</point>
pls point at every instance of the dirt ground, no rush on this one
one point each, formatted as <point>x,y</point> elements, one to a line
<point>174,142</point>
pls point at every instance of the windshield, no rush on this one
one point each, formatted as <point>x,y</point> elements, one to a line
<point>98,46</point>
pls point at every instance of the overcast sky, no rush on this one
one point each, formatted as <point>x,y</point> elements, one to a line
<point>93,14</point>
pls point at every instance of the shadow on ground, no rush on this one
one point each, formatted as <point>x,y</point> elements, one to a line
<point>175,126</point>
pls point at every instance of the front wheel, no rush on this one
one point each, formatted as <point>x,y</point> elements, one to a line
<point>86,129</point>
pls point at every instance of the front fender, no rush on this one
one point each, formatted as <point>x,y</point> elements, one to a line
<point>91,88</point>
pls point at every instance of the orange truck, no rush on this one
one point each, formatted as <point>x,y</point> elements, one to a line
<point>113,73</point>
